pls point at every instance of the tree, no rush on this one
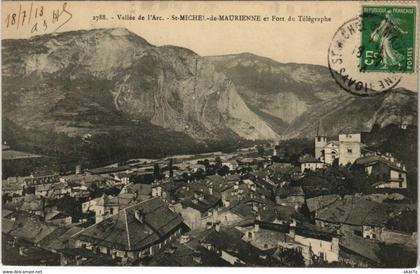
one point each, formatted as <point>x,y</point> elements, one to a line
<point>70,206</point>
<point>199,174</point>
<point>6,198</point>
<point>290,257</point>
<point>218,163</point>
<point>171,168</point>
<point>406,221</point>
<point>114,191</point>
<point>224,170</point>
<point>358,181</point>
<point>206,164</point>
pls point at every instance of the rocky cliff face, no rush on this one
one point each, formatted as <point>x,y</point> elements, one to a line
<point>107,81</point>
<point>295,98</point>
<point>85,81</point>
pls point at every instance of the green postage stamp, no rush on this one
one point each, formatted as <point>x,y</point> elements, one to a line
<point>388,39</point>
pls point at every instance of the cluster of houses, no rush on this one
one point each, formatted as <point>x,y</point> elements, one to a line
<point>349,150</point>
<point>254,213</point>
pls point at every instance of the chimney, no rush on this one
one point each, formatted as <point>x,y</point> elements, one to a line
<point>217,226</point>
<point>292,232</point>
<point>215,214</point>
<point>335,245</point>
<point>256,226</point>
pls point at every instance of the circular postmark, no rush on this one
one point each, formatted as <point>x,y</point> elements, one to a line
<point>346,67</point>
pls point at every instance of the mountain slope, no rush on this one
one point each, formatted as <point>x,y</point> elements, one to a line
<point>108,94</point>
<point>301,96</point>
<point>83,83</point>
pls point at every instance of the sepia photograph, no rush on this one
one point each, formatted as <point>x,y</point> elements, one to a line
<point>209,134</point>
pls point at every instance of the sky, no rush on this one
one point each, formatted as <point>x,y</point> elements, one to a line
<point>283,41</point>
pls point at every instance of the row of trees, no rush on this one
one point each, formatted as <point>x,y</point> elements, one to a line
<point>209,169</point>
<point>336,180</point>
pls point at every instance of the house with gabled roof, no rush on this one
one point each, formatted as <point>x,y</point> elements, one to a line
<point>387,171</point>
<point>227,244</point>
<point>28,227</point>
<point>317,203</point>
<point>58,218</point>
<point>185,255</point>
<point>14,186</point>
<point>135,232</point>
<point>108,205</point>
<point>363,217</point>
<point>198,209</point>
<point>290,196</point>
<point>308,162</point>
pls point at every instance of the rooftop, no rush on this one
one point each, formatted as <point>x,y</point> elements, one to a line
<point>290,191</point>
<point>374,159</point>
<point>319,202</point>
<point>103,170</point>
<point>206,203</point>
<point>363,247</point>
<point>308,159</point>
<point>354,211</point>
<point>30,227</point>
<point>315,232</point>
<point>125,231</point>
<point>18,155</point>
<point>234,246</point>
<point>182,255</point>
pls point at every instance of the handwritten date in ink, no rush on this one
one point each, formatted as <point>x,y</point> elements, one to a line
<point>38,18</point>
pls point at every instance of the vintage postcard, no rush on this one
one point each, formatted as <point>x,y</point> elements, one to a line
<point>172,133</point>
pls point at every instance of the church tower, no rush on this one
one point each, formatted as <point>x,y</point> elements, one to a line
<point>320,141</point>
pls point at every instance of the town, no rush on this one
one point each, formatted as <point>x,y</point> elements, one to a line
<point>338,203</point>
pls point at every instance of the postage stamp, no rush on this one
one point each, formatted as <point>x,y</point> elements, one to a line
<point>344,55</point>
<point>388,39</point>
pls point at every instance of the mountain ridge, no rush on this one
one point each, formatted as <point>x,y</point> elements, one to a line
<point>168,86</point>
<point>281,90</point>
<point>103,82</point>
